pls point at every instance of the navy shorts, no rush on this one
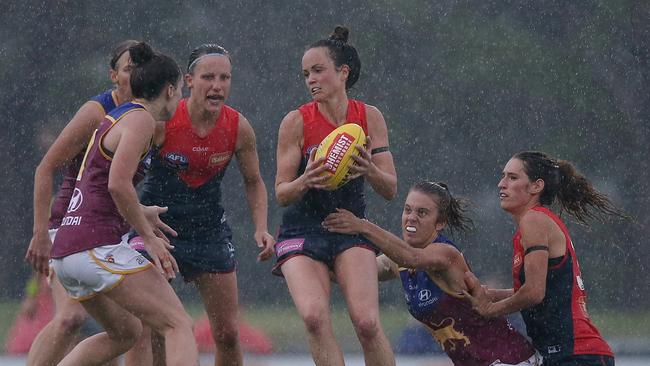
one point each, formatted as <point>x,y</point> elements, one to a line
<point>322,247</point>
<point>583,360</point>
<point>209,254</point>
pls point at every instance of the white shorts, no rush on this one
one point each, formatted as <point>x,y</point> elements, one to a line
<point>534,360</point>
<point>87,273</point>
<point>52,234</point>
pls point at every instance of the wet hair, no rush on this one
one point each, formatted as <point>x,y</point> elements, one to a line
<point>202,50</point>
<point>152,71</point>
<point>566,186</point>
<point>341,53</point>
<point>119,50</point>
<point>451,210</point>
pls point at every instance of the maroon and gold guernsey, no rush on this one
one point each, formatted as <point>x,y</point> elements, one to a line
<point>466,337</point>
<point>559,326</point>
<point>92,219</point>
<point>106,102</point>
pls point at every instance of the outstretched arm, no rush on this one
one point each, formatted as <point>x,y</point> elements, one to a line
<point>434,258</point>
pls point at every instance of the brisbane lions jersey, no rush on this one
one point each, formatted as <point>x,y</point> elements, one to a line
<point>106,102</point>
<point>92,219</point>
<point>468,338</point>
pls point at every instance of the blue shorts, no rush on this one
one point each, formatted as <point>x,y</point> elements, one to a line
<point>322,247</point>
<point>213,254</point>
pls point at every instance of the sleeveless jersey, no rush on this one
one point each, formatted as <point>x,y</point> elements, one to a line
<point>186,173</point>
<point>106,101</point>
<point>468,338</point>
<point>559,326</point>
<point>92,219</point>
<point>305,216</point>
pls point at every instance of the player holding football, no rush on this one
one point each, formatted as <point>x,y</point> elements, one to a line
<point>306,252</point>
<point>548,286</point>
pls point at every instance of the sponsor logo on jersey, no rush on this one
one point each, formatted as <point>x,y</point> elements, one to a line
<point>76,200</point>
<point>71,221</point>
<point>200,148</point>
<point>219,158</point>
<point>110,258</point>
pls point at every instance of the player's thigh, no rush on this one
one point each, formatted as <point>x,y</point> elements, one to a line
<point>117,321</point>
<point>65,305</point>
<point>356,273</point>
<point>219,293</point>
<point>308,281</point>
<point>147,295</point>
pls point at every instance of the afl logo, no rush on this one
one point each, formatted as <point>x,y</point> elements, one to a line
<point>424,295</point>
<point>76,200</point>
<point>176,161</point>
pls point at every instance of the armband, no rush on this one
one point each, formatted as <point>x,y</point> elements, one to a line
<point>535,248</point>
<point>379,150</point>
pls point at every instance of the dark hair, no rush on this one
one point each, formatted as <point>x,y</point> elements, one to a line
<point>202,50</point>
<point>452,210</point>
<point>564,184</point>
<point>119,50</point>
<point>341,53</point>
<point>152,71</point>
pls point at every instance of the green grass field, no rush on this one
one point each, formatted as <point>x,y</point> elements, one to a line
<point>284,327</point>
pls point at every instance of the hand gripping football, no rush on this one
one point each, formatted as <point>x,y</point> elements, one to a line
<point>338,148</point>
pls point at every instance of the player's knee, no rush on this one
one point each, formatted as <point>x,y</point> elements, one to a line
<point>315,322</point>
<point>367,328</point>
<point>226,336</point>
<point>127,334</point>
<point>70,322</point>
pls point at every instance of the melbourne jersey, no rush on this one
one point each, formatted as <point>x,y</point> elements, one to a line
<point>468,338</point>
<point>186,173</point>
<point>92,219</point>
<point>106,101</point>
<point>305,216</point>
<point>559,326</point>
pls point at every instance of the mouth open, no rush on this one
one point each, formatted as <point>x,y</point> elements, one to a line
<point>411,229</point>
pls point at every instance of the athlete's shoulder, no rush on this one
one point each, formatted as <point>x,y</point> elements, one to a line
<point>293,119</point>
<point>106,100</point>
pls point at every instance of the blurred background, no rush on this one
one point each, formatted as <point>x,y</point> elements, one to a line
<point>463,86</point>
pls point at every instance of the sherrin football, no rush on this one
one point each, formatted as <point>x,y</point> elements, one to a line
<point>338,148</point>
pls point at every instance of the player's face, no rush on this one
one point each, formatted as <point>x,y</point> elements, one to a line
<point>321,76</point>
<point>121,76</point>
<point>420,224</point>
<point>515,187</point>
<point>209,83</point>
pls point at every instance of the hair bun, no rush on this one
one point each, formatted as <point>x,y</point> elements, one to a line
<point>141,53</point>
<point>340,33</point>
